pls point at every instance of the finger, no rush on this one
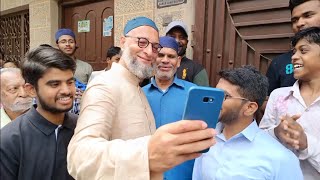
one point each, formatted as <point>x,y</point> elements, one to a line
<point>296,117</point>
<point>195,146</point>
<point>290,141</point>
<point>294,125</point>
<point>184,126</point>
<point>284,125</point>
<point>194,136</point>
<point>186,157</point>
<point>293,133</point>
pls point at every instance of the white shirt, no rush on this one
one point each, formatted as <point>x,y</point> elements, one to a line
<point>288,100</point>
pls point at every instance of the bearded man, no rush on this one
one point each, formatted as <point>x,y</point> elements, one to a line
<point>116,136</point>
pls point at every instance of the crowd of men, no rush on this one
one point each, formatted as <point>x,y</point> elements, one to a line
<point>125,131</point>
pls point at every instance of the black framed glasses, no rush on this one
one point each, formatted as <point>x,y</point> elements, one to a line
<point>228,96</point>
<point>144,42</point>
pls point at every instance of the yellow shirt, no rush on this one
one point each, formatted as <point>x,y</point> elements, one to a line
<point>4,118</point>
<point>113,130</point>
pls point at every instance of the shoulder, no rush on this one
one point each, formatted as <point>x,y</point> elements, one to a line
<point>146,87</point>
<point>12,130</point>
<point>83,63</point>
<point>72,118</point>
<point>283,91</point>
<point>188,84</point>
<point>284,58</point>
<point>192,63</point>
<point>272,146</point>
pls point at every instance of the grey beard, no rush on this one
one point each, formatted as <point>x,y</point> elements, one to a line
<point>137,68</point>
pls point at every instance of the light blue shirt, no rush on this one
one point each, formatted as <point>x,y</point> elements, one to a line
<point>251,154</point>
<point>167,107</point>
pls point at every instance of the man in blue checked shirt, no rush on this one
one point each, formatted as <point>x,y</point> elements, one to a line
<point>243,151</point>
<point>166,95</point>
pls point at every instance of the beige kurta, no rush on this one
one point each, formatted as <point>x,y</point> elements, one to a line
<point>113,130</point>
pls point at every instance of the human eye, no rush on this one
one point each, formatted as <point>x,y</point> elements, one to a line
<point>71,82</point>
<point>13,89</point>
<point>308,15</point>
<point>303,50</point>
<point>63,42</point>
<point>171,56</point>
<point>53,84</point>
<point>143,42</point>
<point>294,20</point>
<point>160,55</point>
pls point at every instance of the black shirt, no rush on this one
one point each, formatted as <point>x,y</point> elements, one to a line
<point>188,69</point>
<point>29,149</point>
<point>280,72</point>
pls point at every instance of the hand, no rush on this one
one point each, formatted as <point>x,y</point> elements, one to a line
<point>174,143</point>
<point>291,133</point>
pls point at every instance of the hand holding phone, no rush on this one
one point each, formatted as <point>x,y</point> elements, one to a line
<point>204,103</point>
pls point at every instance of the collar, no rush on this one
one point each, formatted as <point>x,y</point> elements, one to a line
<point>176,81</point>
<point>124,72</point>
<point>4,114</point>
<point>43,124</point>
<point>249,132</point>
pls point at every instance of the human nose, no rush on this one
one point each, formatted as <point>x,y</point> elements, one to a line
<point>165,59</point>
<point>294,57</point>
<point>148,50</point>
<point>22,92</point>
<point>300,23</point>
<point>65,89</point>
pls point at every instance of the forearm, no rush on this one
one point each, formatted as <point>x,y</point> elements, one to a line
<point>312,153</point>
<point>91,157</point>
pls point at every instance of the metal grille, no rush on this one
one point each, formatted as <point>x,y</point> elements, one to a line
<point>15,35</point>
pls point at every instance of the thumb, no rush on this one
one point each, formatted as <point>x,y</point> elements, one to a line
<point>296,117</point>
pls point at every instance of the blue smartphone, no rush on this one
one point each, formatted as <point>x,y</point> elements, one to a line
<point>204,103</point>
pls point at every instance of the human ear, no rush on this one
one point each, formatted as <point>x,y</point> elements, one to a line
<point>30,90</point>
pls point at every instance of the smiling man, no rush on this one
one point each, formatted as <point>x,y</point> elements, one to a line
<point>167,94</point>
<point>243,151</point>
<point>34,146</point>
<point>304,14</point>
<point>292,113</point>
<point>116,136</point>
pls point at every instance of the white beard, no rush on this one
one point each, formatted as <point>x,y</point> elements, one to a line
<point>137,68</point>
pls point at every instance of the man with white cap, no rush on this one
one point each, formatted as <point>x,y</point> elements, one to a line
<point>166,93</point>
<point>115,137</point>
<point>189,70</point>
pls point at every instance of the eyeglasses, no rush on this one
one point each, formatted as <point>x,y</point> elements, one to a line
<point>66,42</point>
<point>228,96</point>
<point>144,42</point>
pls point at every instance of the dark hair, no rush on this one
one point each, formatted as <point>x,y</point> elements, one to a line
<point>38,60</point>
<point>312,35</point>
<point>112,51</point>
<point>252,84</point>
<point>295,3</point>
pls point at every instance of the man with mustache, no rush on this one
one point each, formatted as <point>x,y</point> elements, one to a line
<point>165,95</point>
<point>304,14</point>
<point>243,151</point>
<point>116,136</point>
<point>14,99</point>
<point>189,70</point>
<point>34,146</point>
